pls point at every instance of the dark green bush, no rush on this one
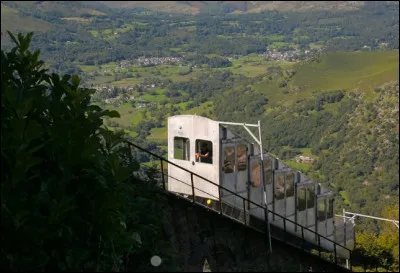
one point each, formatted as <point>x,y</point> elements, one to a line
<point>69,201</point>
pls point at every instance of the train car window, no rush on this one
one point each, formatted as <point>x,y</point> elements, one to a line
<point>241,157</point>
<point>256,174</point>
<point>330,209</point>
<point>268,170</point>
<point>280,186</point>
<point>204,152</point>
<point>310,197</point>
<point>181,148</point>
<point>229,159</point>
<point>321,210</point>
<point>301,199</point>
<point>289,184</point>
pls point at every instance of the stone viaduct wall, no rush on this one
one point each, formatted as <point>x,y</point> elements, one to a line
<point>197,234</point>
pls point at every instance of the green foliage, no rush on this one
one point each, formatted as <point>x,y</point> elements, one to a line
<point>355,141</point>
<point>383,250</point>
<point>69,201</point>
<point>112,35</point>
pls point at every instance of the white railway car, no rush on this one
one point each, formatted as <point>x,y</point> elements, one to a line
<point>207,148</point>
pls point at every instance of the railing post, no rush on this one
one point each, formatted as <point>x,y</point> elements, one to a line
<point>349,261</point>
<point>244,211</point>
<point>191,178</point>
<point>220,200</point>
<point>162,174</point>
<point>319,245</point>
<point>266,223</point>
<point>334,252</point>
<point>344,230</point>
<point>284,229</point>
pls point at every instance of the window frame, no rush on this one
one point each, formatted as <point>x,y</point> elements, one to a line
<point>279,187</point>
<point>231,163</point>
<point>289,184</point>
<point>197,144</point>
<point>237,157</point>
<point>310,193</point>
<point>256,166</point>
<point>330,208</point>
<point>301,205</point>
<point>268,171</point>
<point>321,213</point>
<point>186,141</point>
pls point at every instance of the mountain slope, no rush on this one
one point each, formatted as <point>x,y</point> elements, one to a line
<point>195,7</point>
<point>12,19</point>
<point>342,110</point>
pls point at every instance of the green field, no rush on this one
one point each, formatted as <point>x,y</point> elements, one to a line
<point>298,166</point>
<point>316,45</point>
<point>355,71</point>
<point>276,38</point>
<point>364,70</point>
<point>94,32</point>
<point>12,20</point>
<point>307,152</point>
<point>129,115</point>
<point>154,98</point>
<point>77,19</point>
<point>158,134</point>
<point>126,82</point>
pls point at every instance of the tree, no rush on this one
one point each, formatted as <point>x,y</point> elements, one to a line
<point>69,201</point>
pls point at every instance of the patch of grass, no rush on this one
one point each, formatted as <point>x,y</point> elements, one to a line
<point>278,45</point>
<point>12,20</point>
<point>185,78</point>
<point>93,12</point>
<point>110,65</point>
<point>307,152</point>
<point>88,68</point>
<point>297,165</point>
<point>94,32</point>
<point>350,71</point>
<point>345,196</point>
<point>102,80</point>
<point>316,45</point>
<point>159,6</point>
<point>203,108</point>
<point>129,115</point>
<point>176,49</point>
<point>126,82</point>
<point>77,19</point>
<point>158,134</point>
<point>136,118</point>
<point>154,98</point>
<point>191,28</point>
<point>250,70</point>
<point>107,31</point>
<point>182,105</point>
<point>276,38</point>
<point>362,70</point>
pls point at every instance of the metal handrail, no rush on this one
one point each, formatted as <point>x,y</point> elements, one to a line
<point>244,199</point>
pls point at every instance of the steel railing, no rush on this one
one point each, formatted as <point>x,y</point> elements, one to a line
<point>242,215</point>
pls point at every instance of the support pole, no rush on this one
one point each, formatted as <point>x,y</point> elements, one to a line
<point>263,184</point>
<point>264,189</point>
